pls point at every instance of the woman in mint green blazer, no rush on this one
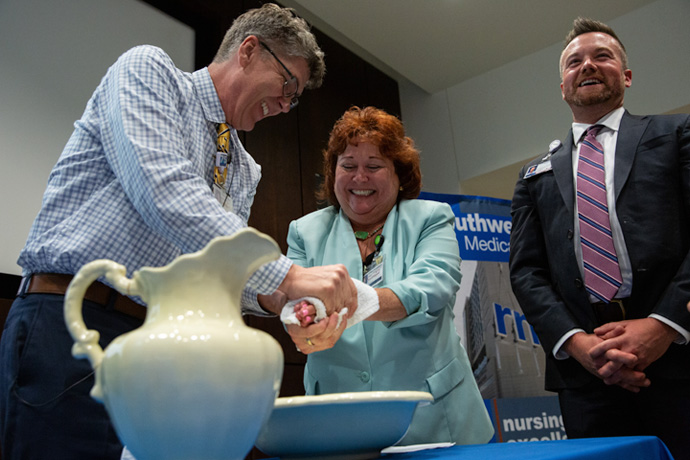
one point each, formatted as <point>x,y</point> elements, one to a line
<point>372,177</point>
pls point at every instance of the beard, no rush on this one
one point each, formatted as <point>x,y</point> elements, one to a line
<point>605,93</point>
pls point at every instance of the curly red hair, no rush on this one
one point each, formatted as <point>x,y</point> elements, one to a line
<point>384,131</point>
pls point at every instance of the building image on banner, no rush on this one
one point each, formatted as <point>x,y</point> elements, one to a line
<point>507,358</point>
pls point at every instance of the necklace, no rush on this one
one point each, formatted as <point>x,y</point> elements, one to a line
<point>363,236</point>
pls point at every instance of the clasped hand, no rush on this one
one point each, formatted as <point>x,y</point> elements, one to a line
<point>619,352</point>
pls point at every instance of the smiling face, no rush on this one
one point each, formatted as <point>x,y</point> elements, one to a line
<point>250,85</point>
<point>593,79</point>
<point>264,95</point>
<point>366,185</point>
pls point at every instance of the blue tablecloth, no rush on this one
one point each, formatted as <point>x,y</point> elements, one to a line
<point>620,448</point>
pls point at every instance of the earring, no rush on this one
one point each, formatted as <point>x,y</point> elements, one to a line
<point>401,188</point>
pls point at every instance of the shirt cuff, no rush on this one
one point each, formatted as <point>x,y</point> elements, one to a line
<point>269,276</point>
<point>561,354</point>
<point>250,304</point>
<point>683,335</point>
<point>264,281</point>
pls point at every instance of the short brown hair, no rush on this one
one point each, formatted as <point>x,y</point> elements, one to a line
<point>584,26</point>
<point>388,134</point>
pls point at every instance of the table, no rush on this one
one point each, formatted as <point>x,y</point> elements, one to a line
<point>619,448</point>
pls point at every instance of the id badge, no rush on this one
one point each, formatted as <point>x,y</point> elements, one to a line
<point>537,169</point>
<point>220,169</point>
<point>373,274</point>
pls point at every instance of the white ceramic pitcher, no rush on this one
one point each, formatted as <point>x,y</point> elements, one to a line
<point>193,382</point>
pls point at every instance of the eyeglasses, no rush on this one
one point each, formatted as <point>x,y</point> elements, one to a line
<point>291,85</point>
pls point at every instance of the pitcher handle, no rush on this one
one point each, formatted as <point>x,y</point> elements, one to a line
<point>86,340</point>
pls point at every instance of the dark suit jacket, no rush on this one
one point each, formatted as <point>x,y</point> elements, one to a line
<point>652,182</point>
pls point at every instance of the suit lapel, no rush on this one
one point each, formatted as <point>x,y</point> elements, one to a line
<point>562,164</point>
<point>629,134</point>
<point>632,128</point>
<point>344,249</point>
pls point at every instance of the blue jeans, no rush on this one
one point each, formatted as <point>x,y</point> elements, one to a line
<point>45,408</point>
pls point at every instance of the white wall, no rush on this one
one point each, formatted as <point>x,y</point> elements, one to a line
<point>512,113</point>
<point>53,54</point>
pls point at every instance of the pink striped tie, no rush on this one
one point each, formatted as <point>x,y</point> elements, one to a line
<point>602,273</point>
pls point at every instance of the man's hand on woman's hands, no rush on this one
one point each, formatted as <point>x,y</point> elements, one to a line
<point>330,283</point>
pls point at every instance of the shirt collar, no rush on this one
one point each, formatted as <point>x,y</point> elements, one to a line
<point>611,120</point>
<point>206,91</point>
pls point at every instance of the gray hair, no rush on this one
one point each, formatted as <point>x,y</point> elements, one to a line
<point>283,31</point>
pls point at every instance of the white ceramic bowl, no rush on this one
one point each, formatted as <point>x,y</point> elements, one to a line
<point>339,426</point>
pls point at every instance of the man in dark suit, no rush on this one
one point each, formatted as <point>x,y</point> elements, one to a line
<point>619,361</point>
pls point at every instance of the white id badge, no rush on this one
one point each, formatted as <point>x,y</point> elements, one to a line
<point>373,275</point>
<point>540,168</point>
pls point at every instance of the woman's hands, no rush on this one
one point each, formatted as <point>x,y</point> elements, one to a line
<point>316,336</point>
<point>305,312</point>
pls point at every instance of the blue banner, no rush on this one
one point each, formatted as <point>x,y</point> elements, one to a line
<point>482,225</point>
<point>507,358</point>
<point>528,419</point>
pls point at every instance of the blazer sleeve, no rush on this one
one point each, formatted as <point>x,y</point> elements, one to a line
<point>672,304</point>
<point>433,277</point>
<point>531,275</point>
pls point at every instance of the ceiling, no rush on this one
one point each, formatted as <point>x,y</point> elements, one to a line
<point>436,44</point>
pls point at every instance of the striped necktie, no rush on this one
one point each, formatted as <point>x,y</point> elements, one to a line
<point>602,273</point>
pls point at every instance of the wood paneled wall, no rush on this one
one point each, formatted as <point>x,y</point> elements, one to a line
<point>289,146</point>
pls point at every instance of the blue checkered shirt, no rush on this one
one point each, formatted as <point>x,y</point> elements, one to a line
<point>133,183</point>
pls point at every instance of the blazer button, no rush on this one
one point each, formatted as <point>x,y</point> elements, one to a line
<point>578,283</point>
<point>365,377</point>
<point>570,234</point>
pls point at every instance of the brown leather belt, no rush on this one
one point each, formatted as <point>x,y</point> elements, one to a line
<point>608,312</point>
<point>107,297</point>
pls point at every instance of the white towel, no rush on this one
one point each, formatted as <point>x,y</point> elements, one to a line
<point>367,305</point>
